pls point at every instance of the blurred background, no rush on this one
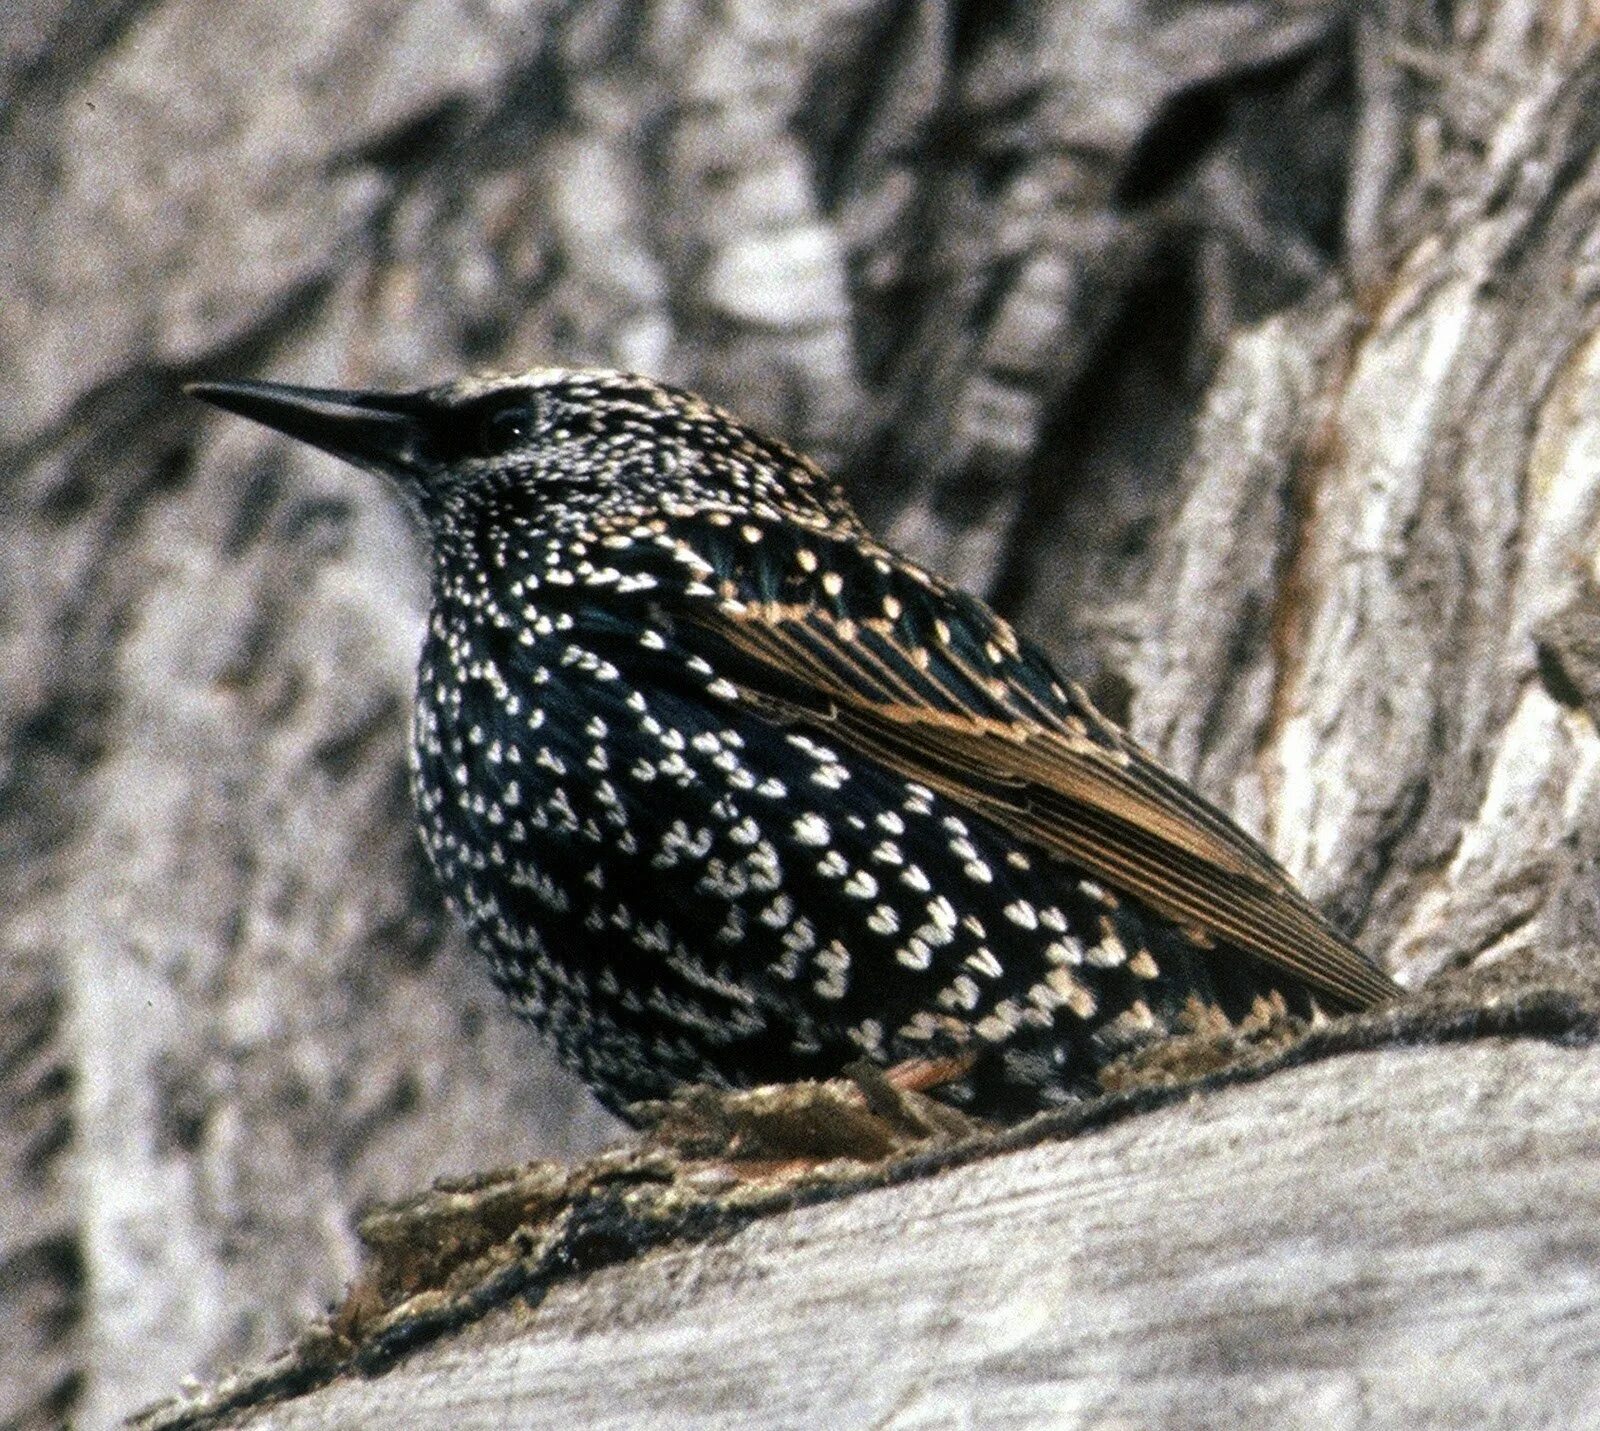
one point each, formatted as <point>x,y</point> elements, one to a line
<point>983,259</point>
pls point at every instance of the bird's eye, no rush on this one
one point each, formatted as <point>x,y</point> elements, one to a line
<point>503,427</point>
<point>495,425</point>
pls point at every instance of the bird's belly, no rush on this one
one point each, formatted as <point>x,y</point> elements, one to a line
<point>675,897</point>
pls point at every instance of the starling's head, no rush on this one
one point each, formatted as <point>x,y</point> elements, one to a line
<point>553,446</point>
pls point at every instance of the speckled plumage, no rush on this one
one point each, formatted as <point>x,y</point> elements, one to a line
<point>728,792</point>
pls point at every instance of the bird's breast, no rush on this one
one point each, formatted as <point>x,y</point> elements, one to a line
<point>691,867</point>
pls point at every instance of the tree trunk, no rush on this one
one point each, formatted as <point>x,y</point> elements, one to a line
<point>1404,1256</point>
<point>1242,354</point>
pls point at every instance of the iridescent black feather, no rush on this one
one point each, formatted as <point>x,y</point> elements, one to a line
<point>728,792</point>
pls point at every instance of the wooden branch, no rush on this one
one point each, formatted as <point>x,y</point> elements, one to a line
<point>1402,1237</point>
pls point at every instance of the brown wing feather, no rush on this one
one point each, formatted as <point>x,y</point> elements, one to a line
<point>1102,804</point>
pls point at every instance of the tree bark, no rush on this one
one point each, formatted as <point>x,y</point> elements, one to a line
<point>1152,1274</point>
<point>1242,354</point>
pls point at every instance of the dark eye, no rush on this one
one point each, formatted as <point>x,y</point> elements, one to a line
<point>504,427</point>
<point>493,426</point>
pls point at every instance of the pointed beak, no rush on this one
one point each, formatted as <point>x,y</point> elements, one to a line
<point>377,431</point>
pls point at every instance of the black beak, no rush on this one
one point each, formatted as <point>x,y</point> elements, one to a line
<point>378,431</point>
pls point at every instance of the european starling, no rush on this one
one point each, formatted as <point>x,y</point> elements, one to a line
<point>729,792</point>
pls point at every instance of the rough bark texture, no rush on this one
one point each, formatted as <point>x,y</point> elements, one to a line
<point>1150,1275</point>
<point>1242,353</point>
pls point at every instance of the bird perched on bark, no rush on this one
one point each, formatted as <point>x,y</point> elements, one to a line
<point>727,791</point>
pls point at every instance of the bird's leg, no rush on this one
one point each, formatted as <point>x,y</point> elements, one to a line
<point>898,1095</point>
<point>918,1075</point>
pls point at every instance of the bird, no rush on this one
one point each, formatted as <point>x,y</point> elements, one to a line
<point>730,792</point>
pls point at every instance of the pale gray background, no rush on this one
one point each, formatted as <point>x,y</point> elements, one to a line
<point>1242,352</point>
